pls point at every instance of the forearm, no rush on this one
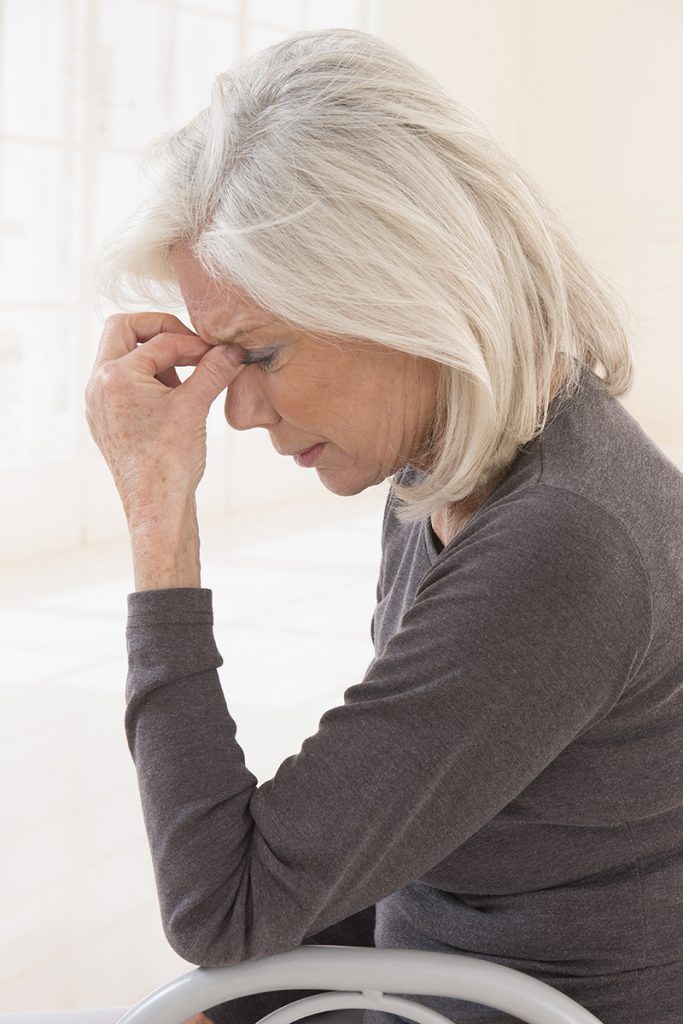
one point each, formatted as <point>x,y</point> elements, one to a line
<point>194,786</point>
<point>165,548</point>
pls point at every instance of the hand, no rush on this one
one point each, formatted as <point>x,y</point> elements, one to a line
<point>197,1019</point>
<point>150,426</point>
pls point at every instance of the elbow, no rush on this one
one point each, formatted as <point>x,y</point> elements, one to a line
<point>223,932</point>
<point>219,940</point>
<point>200,949</point>
<point>206,927</point>
<point>201,940</point>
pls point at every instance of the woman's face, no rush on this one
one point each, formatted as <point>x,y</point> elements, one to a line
<point>369,407</point>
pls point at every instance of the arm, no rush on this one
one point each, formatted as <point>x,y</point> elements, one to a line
<point>151,430</point>
<point>514,644</point>
<point>357,930</point>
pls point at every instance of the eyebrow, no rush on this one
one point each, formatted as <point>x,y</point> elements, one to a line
<point>265,348</point>
<point>233,338</point>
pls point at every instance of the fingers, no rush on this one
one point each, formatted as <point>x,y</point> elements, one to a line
<point>123,331</point>
<point>168,343</point>
<point>165,351</point>
<point>169,378</point>
<point>215,372</point>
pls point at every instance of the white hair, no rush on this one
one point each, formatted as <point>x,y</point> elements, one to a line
<point>341,187</point>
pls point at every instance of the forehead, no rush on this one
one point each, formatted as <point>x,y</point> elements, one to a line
<point>217,310</point>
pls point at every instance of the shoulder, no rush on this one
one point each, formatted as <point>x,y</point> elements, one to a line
<point>544,521</point>
<point>542,594</point>
<point>548,549</point>
<point>549,517</point>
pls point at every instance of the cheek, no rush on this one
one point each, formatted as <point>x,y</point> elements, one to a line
<point>300,396</point>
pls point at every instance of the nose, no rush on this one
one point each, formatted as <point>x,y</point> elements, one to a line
<point>246,405</point>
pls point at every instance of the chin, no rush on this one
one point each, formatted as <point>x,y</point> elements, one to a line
<point>347,485</point>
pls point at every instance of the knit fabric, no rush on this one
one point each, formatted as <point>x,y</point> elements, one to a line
<point>506,781</point>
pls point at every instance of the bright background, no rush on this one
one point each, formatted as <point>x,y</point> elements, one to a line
<point>587,95</point>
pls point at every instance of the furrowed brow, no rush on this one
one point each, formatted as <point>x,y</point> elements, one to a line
<point>229,337</point>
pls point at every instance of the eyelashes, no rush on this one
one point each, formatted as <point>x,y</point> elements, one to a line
<point>264,361</point>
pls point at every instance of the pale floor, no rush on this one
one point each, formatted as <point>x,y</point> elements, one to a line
<point>293,599</point>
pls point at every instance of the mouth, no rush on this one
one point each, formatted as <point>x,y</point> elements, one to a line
<point>308,456</point>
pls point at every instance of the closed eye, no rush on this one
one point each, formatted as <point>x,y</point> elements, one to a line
<point>264,360</point>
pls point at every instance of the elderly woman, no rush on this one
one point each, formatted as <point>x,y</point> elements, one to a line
<point>383,289</point>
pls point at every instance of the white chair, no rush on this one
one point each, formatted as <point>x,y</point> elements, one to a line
<point>359,978</point>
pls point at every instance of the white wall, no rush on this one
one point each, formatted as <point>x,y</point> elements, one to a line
<point>84,86</point>
<point>588,97</point>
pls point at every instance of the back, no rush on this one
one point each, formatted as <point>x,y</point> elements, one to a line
<point>578,879</point>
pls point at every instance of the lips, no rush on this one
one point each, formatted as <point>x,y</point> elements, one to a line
<point>309,456</point>
<point>302,451</point>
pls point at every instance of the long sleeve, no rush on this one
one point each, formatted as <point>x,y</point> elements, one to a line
<point>524,634</point>
<point>357,930</point>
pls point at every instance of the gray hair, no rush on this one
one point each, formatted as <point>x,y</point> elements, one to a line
<point>341,187</point>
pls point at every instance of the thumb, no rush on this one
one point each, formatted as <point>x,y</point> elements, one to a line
<point>215,371</point>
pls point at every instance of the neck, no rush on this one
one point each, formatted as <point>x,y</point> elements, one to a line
<point>452,518</point>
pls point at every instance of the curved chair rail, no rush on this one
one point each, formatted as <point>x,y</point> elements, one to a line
<point>372,972</point>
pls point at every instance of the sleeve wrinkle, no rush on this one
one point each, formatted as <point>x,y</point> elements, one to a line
<point>414,761</point>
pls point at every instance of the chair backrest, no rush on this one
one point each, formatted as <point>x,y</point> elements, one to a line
<point>372,973</point>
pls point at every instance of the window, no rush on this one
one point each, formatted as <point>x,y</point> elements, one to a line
<point>84,85</point>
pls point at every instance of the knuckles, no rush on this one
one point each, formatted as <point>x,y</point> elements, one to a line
<point>106,374</point>
<point>114,319</point>
<point>102,381</point>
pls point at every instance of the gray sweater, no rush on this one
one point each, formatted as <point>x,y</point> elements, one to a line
<point>506,781</point>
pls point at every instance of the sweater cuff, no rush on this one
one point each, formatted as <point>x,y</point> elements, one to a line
<point>169,637</point>
<point>193,605</point>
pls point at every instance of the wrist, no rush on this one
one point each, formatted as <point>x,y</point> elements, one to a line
<point>165,548</point>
